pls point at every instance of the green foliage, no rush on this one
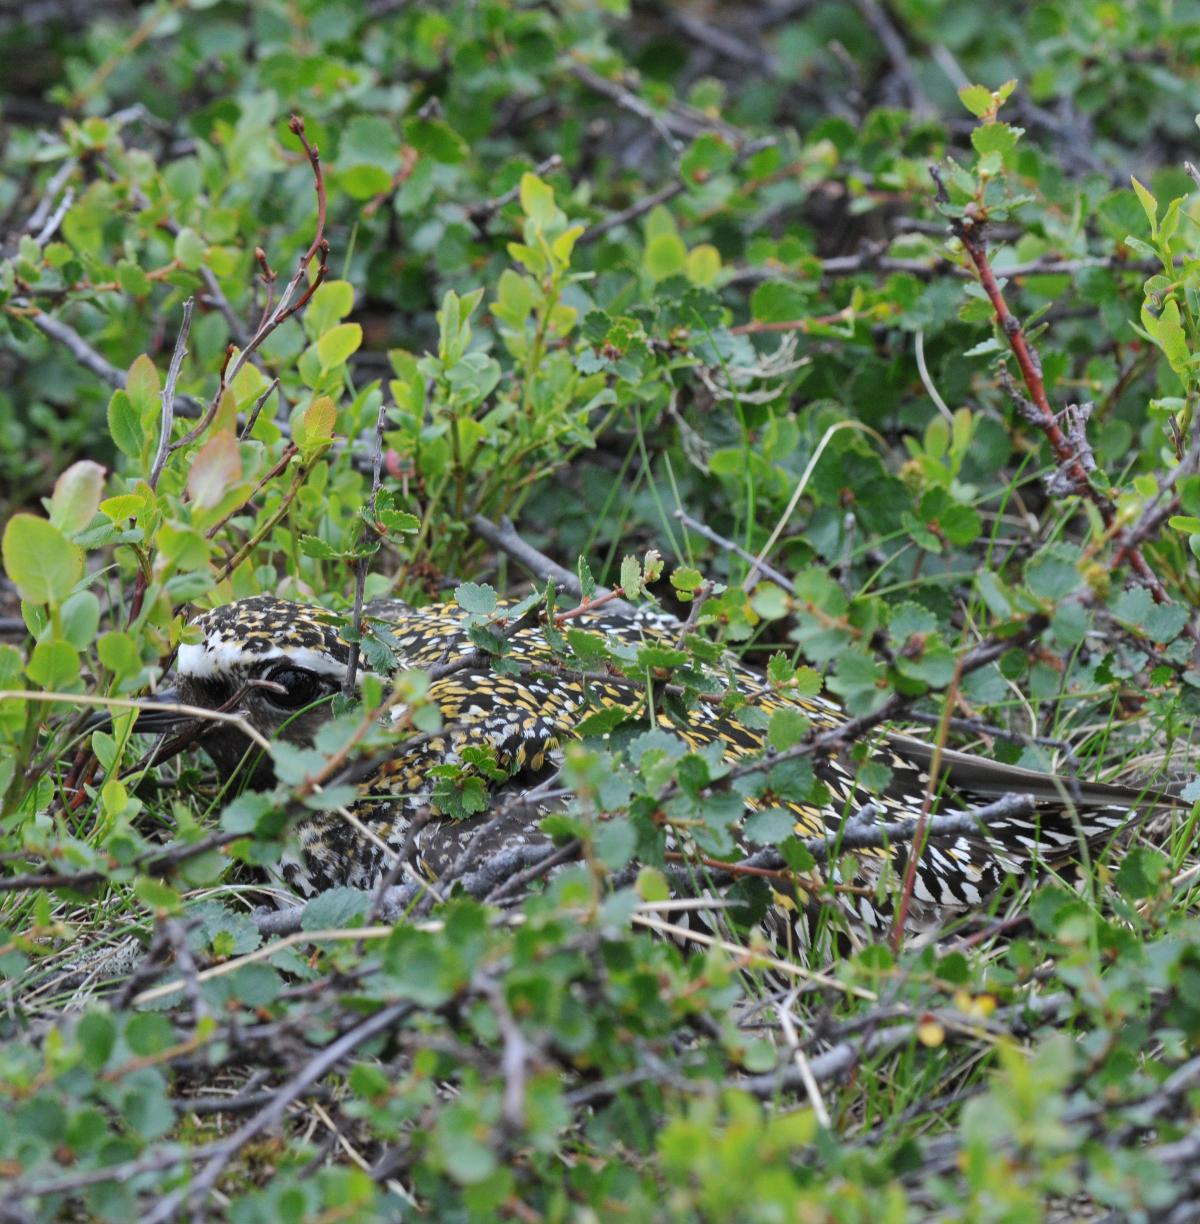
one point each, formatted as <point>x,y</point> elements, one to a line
<point>673,303</point>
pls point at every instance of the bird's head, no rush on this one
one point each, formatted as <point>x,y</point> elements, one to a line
<point>275,663</point>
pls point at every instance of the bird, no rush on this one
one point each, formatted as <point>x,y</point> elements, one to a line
<point>279,664</point>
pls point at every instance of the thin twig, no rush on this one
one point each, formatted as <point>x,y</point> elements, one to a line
<point>481,213</point>
<point>216,1157</point>
<point>361,564</point>
<point>58,180</point>
<point>639,208</point>
<point>702,529</point>
<point>168,395</point>
<point>968,230</point>
<point>259,403</point>
<point>507,539</point>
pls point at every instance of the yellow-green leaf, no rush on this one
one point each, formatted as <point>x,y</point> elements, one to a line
<point>977,99</point>
<point>123,506</point>
<point>1149,205</point>
<point>336,346</point>
<point>249,384</point>
<point>319,419</point>
<point>144,388</point>
<point>665,256</point>
<point>54,665</point>
<point>1167,331</point>
<point>703,264</point>
<point>564,244</point>
<point>331,303</point>
<point>43,563</point>
<point>537,200</point>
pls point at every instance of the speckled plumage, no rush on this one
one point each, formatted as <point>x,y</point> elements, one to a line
<point>526,718</point>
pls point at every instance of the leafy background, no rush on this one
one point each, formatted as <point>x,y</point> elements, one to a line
<point>660,277</point>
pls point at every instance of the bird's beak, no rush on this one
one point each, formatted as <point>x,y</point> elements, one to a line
<point>151,717</point>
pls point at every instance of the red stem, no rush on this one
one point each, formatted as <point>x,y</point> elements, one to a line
<point>1031,374</point>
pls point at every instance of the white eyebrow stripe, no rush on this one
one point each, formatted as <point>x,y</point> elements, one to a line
<point>211,657</point>
<point>217,656</point>
<point>221,657</point>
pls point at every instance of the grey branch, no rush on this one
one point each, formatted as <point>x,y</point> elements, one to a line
<point>506,539</point>
<point>168,394</point>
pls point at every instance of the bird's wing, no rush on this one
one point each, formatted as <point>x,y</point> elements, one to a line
<point>988,779</point>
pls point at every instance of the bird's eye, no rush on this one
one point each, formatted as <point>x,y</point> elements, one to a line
<point>299,688</point>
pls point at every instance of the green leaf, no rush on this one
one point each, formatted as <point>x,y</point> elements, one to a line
<point>40,560</point>
<point>996,138</point>
<point>54,665</point>
<point>124,506</point>
<point>652,885</point>
<point>564,244</point>
<point>537,200</point>
<point>338,344</point>
<point>703,264</point>
<point>1141,873</point>
<point>144,388</point>
<point>1168,333</point>
<point>631,577</point>
<point>133,280</point>
<point>686,580</point>
<point>994,593</point>
<point>81,619</point>
<point>908,618</point>
<point>787,728</point>
<point>364,182</point>
<point>615,843</point>
<point>76,497</point>
<point>665,256</point>
<point>1054,572</point>
<point>149,1033</point>
<point>400,521</point>
<point>602,722</point>
<point>778,302</point>
<point>314,546</point>
<point>332,302</point>
<point>320,418</point>
<point>780,669</point>
<point>770,827</point>
<point>119,653</point>
<point>372,141</point>
<point>97,1035</point>
<point>157,895</point>
<point>477,598</point>
<point>587,584</point>
<point>465,1157</point>
<point>334,908</point>
<point>190,248</point>
<point>125,425</point>
<point>1149,205</point>
<point>652,655</point>
<point>960,524</point>
<point>977,99</point>
<point>436,139</point>
<point>709,154</point>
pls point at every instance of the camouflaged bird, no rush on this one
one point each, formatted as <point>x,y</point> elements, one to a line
<point>286,660</point>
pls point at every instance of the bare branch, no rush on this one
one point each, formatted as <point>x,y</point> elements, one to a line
<point>168,395</point>
<point>506,538</point>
